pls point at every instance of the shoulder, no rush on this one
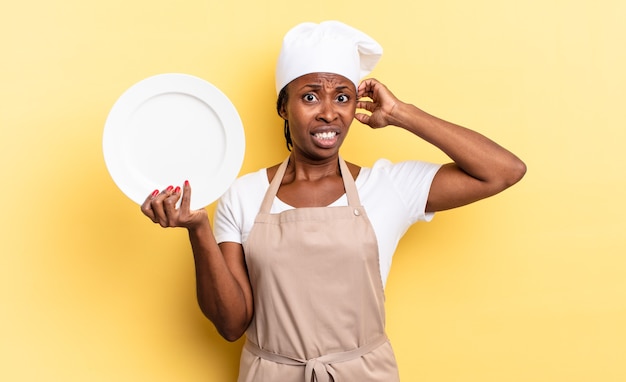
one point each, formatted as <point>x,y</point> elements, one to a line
<point>238,205</point>
<point>402,188</point>
<point>386,164</point>
<point>411,168</point>
<point>244,190</point>
<point>250,180</point>
<point>406,181</point>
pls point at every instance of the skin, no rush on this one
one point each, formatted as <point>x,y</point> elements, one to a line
<point>322,103</point>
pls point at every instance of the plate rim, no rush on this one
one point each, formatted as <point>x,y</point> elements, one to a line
<point>190,85</point>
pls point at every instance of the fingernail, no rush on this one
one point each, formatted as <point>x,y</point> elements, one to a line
<point>177,190</point>
<point>155,193</point>
<point>186,183</point>
<point>169,188</point>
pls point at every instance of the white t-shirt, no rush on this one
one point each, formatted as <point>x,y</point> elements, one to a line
<point>393,195</point>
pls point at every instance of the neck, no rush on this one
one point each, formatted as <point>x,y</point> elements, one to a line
<point>310,170</point>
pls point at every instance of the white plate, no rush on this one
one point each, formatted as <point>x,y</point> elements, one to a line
<point>170,128</point>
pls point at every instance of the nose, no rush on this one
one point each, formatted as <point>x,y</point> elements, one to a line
<point>327,112</point>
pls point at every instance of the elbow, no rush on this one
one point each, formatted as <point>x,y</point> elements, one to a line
<point>230,329</point>
<point>230,335</point>
<point>517,171</point>
<point>513,173</point>
<point>233,331</point>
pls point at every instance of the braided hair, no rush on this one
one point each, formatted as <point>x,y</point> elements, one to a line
<point>280,103</point>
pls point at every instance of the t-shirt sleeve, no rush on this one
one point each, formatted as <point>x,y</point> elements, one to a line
<point>226,223</point>
<point>238,207</point>
<point>412,181</point>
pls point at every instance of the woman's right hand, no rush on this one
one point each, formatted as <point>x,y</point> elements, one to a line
<point>160,207</point>
<point>223,288</point>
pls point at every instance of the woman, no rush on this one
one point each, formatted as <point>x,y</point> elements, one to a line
<point>302,249</point>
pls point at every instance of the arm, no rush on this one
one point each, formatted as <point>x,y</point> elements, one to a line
<point>480,168</point>
<point>223,288</point>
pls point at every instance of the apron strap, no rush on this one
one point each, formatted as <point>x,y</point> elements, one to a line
<point>348,184</point>
<point>317,369</point>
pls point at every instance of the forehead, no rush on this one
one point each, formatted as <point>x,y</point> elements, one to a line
<point>330,80</point>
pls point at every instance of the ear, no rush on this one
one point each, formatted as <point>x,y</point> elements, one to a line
<point>282,112</point>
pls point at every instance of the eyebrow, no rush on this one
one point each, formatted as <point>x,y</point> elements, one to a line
<point>318,86</point>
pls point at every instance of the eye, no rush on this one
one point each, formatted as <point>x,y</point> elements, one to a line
<point>309,97</point>
<point>343,98</point>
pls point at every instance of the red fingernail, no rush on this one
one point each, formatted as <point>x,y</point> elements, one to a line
<point>177,190</point>
<point>169,188</point>
<point>186,183</point>
<point>155,193</point>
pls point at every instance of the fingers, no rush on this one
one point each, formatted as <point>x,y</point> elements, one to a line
<point>160,206</point>
<point>146,207</point>
<point>169,207</point>
<point>185,204</point>
<point>376,91</point>
<point>367,88</point>
<point>366,105</point>
<point>159,210</point>
<point>363,118</point>
<point>153,207</point>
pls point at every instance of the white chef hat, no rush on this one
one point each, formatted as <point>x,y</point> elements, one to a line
<point>328,47</point>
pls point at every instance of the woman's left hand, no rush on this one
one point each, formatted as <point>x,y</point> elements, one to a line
<point>382,104</point>
<point>481,167</point>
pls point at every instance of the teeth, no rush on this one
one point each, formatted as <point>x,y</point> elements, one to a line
<point>326,135</point>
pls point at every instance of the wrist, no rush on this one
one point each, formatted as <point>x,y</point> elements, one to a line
<point>199,228</point>
<point>400,114</point>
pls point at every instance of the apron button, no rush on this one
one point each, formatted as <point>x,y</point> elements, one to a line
<point>357,212</point>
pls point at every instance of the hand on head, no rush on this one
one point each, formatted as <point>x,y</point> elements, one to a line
<point>381,103</point>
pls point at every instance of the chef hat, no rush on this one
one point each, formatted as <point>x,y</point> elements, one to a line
<point>328,47</point>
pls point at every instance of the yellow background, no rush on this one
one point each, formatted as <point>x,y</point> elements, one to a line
<point>527,286</point>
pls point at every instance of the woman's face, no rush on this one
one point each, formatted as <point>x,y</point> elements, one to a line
<point>320,108</point>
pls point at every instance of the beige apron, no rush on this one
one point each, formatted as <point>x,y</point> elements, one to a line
<point>318,295</point>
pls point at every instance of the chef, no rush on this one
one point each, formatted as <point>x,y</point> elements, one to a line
<point>300,251</point>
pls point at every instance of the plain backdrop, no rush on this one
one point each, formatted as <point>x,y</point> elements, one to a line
<point>526,286</point>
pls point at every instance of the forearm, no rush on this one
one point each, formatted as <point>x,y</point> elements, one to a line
<point>220,295</point>
<point>472,152</point>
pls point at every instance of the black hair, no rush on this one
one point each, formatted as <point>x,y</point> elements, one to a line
<point>280,105</point>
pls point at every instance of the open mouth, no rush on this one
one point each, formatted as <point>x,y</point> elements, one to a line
<point>326,136</point>
<point>326,139</point>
